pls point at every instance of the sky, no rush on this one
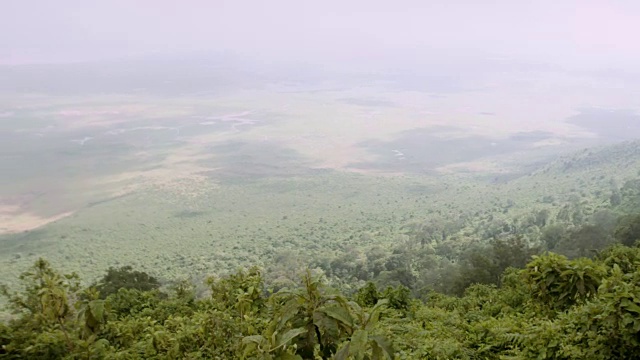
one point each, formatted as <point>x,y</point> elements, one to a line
<point>581,34</point>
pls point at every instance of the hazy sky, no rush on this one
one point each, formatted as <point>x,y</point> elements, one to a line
<point>573,33</point>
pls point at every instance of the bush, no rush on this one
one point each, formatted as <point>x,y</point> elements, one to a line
<point>125,278</point>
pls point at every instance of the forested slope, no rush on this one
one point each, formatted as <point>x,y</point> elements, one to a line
<point>571,206</point>
<point>546,267</point>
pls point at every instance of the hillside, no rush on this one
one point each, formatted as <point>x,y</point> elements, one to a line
<point>401,267</point>
<point>320,218</point>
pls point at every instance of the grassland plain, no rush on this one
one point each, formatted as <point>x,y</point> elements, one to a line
<point>62,152</point>
<point>254,221</point>
<point>183,187</point>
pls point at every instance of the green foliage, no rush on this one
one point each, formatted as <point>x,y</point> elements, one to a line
<point>324,314</point>
<point>624,257</point>
<point>273,346</point>
<point>552,235</point>
<point>367,295</point>
<point>398,298</point>
<point>606,327</point>
<point>558,283</point>
<point>554,308</point>
<point>241,292</point>
<point>363,343</point>
<point>125,278</point>
<point>45,293</point>
<point>92,312</point>
<point>585,240</point>
<point>313,321</point>
<point>628,230</point>
<point>46,324</point>
<point>485,264</point>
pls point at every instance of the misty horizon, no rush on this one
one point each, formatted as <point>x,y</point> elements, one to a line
<point>585,35</point>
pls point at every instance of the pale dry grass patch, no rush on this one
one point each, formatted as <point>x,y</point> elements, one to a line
<point>480,166</point>
<point>15,219</point>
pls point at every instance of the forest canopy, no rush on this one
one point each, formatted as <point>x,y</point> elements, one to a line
<point>552,308</point>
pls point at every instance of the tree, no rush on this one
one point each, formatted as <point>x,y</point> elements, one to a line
<point>324,316</point>
<point>362,343</point>
<point>92,312</point>
<point>45,329</point>
<point>615,199</point>
<point>368,295</point>
<point>127,278</point>
<point>624,257</point>
<point>584,241</point>
<point>558,283</point>
<point>485,265</point>
<point>552,235</point>
<point>605,219</point>
<point>511,252</point>
<point>313,322</point>
<point>541,218</point>
<point>628,230</point>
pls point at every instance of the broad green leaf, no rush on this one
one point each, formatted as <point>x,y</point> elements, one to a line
<point>289,335</point>
<point>549,280</point>
<point>375,314</point>
<point>384,344</point>
<point>631,306</point>
<point>343,353</point>
<point>288,356</point>
<point>355,307</point>
<point>339,313</point>
<point>359,341</point>
<point>257,339</point>
<point>378,353</point>
<point>288,312</point>
<point>97,309</point>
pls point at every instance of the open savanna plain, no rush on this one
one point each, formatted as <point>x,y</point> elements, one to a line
<point>187,186</point>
